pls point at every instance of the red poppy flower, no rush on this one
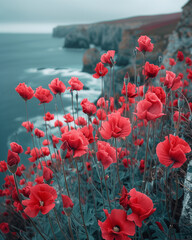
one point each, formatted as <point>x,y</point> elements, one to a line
<point>159,92</point>
<point>116,126</point>
<point>171,81</point>
<point>48,116</point>
<point>172,151</point>
<point>108,58</point>
<point>100,70</point>
<point>145,44</point>
<point>88,133</point>
<point>88,166</point>
<point>88,107</point>
<point>76,84</point>
<point>12,158</point>
<point>25,92</point>
<point>76,141</point>
<point>15,147</point>
<point>42,198</point>
<point>43,95</point>
<point>102,103</point>
<point>55,140</point>
<point>67,202</point>
<point>80,121</point>
<point>58,123</point>
<point>142,166</point>
<point>188,61</point>
<point>45,151</point>
<point>106,154</point>
<point>35,154</point>
<point>151,70</point>
<point>46,142</point>
<point>131,90</point>
<point>28,150</point>
<point>39,133</point>
<point>180,56</point>
<point>172,62</point>
<point>189,76</point>
<point>116,226</point>
<point>68,118</point>
<point>28,125</point>
<point>4,227</point>
<point>140,204</point>
<point>3,166</point>
<point>57,86</point>
<point>150,108</point>
<point>101,114</point>
<point>47,173</point>
<point>139,142</point>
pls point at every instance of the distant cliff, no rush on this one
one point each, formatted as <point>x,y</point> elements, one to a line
<point>109,34</point>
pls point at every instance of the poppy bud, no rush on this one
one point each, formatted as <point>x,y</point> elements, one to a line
<point>12,161</point>
<point>67,204</point>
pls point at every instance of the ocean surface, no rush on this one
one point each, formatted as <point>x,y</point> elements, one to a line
<point>35,59</point>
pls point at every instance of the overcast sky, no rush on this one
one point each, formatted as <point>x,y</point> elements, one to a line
<point>53,12</point>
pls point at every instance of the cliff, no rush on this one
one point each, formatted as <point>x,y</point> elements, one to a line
<point>108,34</point>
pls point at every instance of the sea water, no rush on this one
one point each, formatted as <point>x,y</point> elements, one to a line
<point>35,59</point>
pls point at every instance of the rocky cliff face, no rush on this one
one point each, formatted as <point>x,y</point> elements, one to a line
<point>107,35</point>
<point>181,39</point>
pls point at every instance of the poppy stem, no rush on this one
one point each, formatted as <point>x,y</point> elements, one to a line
<point>110,83</point>
<point>51,227</point>
<point>72,105</point>
<point>176,202</point>
<point>146,152</point>
<point>62,104</point>
<point>102,92</point>
<point>117,165</point>
<point>65,177</point>
<point>77,106</point>
<point>106,189</point>
<point>79,190</point>
<point>47,132</point>
<point>114,82</point>
<point>70,228</point>
<point>58,222</point>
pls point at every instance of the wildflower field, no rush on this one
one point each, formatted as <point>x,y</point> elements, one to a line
<point>115,172</point>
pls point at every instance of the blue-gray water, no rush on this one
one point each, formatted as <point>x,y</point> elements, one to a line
<point>35,59</point>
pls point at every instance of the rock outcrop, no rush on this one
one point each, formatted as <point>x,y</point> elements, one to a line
<point>181,39</point>
<point>90,59</point>
<point>108,34</point>
<point>77,39</point>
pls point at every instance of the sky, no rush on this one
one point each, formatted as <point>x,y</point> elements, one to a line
<point>38,15</point>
